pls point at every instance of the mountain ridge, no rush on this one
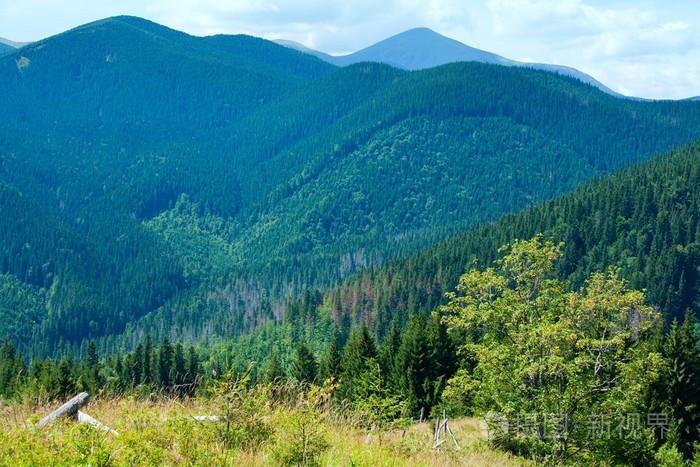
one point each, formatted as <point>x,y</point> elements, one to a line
<point>202,180</point>
<point>420,48</point>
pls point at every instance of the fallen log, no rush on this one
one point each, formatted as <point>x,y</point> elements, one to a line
<point>208,418</point>
<point>69,409</point>
<point>85,418</point>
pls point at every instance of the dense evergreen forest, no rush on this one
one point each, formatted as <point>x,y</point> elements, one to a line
<point>481,353</point>
<point>188,187</point>
<point>232,222</point>
<point>644,219</point>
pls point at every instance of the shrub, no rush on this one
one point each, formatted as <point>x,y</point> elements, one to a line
<point>242,409</point>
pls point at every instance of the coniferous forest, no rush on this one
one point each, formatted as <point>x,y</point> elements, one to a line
<point>228,224</point>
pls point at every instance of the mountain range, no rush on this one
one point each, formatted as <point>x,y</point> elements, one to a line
<point>13,44</point>
<point>7,46</point>
<point>420,48</point>
<point>190,187</point>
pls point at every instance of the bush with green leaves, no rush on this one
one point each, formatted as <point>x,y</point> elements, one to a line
<point>302,439</point>
<point>242,410</point>
<point>548,359</point>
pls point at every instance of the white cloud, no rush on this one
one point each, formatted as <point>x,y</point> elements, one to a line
<point>645,47</point>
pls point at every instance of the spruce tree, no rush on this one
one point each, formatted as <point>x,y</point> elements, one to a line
<point>683,383</point>
<point>147,368</point>
<point>135,362</point>
<point>358,351</point>
<point>412,369</point>
<point>192,370</point>
<point>65,381</point>
<point>330,366</point>
<point>93,381</point>
<point>165,363</point>
<point>179,369</point>
<point>273,371</point>
<point>388,351</point>
<point>442,355</point>
<point>304,366</point>
<point>7,367</point>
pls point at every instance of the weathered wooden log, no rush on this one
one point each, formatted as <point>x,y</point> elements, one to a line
<point>453,437</point>
<point>85,418</point>
<point>69,409</point>
<point>209,418</point>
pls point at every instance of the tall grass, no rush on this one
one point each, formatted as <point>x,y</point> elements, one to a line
<point>260,425</point>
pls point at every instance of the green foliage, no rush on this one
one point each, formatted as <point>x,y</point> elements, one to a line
<point>373,403</point>
<point>644,219</point>
<point>302,440</point>
<point>557,358</point>
<point>359,354</point>
<point>304,366</point>
<point>459,393</point>
<point>669,456</point>
<point>681,387</point>
<point>243,425</point>
<point>330,366</point>
<point>177,185</point>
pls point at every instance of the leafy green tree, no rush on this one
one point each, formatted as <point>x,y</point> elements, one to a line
<point>558,358</point>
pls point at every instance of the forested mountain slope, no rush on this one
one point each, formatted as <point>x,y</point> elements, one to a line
<point>644,219</point>
<point>159,182</point>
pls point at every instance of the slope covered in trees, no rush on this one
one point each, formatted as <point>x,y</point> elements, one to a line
<point>187,186</point>
<point>644,219</point>
<point>515,344</point>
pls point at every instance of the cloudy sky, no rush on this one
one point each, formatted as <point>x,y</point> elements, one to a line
<point>646,48</point>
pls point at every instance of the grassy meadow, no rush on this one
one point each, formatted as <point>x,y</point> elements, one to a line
<point>164,432</point>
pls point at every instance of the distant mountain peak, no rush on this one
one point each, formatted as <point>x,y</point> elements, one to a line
<point>7,44</point>
<point>421,47</point>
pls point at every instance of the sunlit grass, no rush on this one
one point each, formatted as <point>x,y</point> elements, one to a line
<point>163,432</point>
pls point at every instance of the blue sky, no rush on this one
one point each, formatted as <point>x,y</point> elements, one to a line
<point>646,48</point>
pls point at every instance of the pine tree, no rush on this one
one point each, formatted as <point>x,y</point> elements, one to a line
<point>192,370</point>
<point>304,367</point>
<point>135,362</point>
<point>165,363</point>
<point>388,351</point>
<point>7,367</point>
<point>683,382</point>
<point>442,355</point>
<point>330,366</point>
<point>412,369</point>
<point>273,371</point>
<point>119,373</point>
<point>147,368</point>
<point>93,379</point>
<point>179,370</point>
<point>65,381</point>
<point>359,349</point>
